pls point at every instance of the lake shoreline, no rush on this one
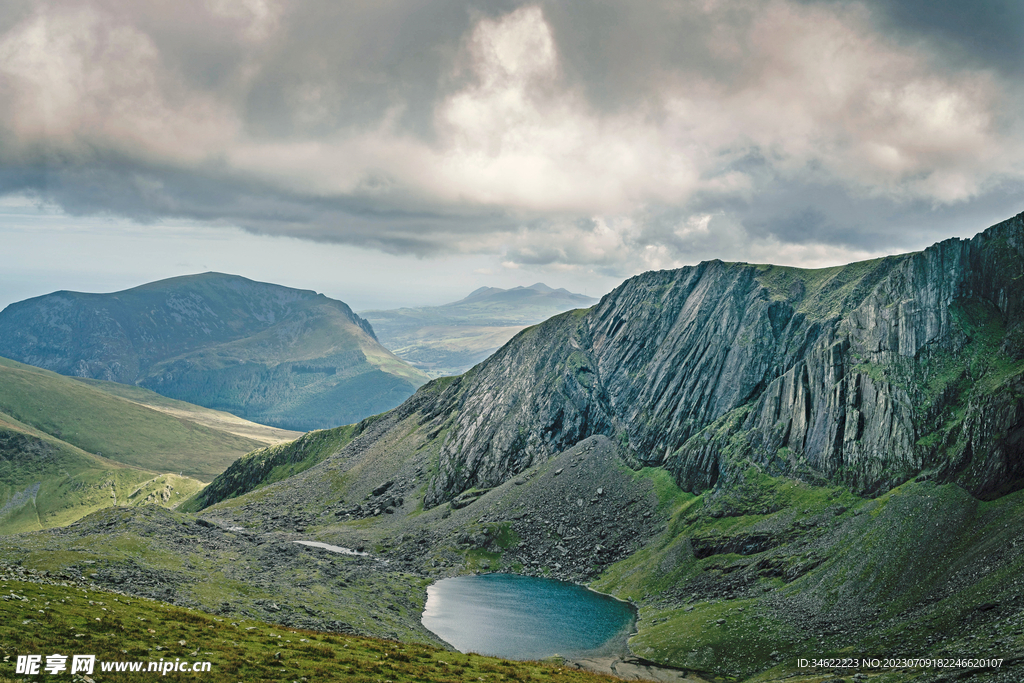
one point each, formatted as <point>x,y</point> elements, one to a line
<point>633,668</point>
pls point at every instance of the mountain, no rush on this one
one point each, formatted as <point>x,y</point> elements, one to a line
<point>866,376</point>
<point>279,356</point>
<point>68,448</point>
<point>770,463</point>
<point>450,339</point>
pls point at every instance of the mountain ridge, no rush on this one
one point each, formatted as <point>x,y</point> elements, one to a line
<point>695,368</point>
<point>277,355</point>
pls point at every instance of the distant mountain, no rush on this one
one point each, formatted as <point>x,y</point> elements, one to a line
<point>275,355</point>
<point>68,448</point>
<point>450,339</point>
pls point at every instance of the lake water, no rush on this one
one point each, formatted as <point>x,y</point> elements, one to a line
<point>521,617</point>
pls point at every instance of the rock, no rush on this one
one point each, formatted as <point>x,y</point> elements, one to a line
<point>815,379</point>
<point>383,488</point>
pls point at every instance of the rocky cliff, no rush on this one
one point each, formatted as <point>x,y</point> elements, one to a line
<point>867,374</point>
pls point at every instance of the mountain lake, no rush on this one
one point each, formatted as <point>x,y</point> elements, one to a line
<point>522,617</point>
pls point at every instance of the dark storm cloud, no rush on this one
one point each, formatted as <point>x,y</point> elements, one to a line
<point>609,135</point>
<point>978,34</point>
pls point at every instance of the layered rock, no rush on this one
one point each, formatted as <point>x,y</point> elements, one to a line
<point>867,374</point>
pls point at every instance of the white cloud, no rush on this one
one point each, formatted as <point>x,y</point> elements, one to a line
<point>813,91</point>
<point>77,80</point>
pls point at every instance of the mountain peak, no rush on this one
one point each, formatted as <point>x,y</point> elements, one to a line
<point>267,352</point>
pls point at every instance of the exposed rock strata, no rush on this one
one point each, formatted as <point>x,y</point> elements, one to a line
<point>868,374</point>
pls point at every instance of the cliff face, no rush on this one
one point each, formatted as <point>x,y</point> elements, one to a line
<point>867,374</point>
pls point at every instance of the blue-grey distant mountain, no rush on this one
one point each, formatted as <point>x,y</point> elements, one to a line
<point>450,339</point>
<point>286,357</point>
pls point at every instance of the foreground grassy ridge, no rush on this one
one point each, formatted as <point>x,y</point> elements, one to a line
<point>103,424</point>
<point>162,554</point>
<point>47,619</point>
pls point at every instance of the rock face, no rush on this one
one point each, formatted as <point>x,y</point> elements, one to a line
<point>281,356</point>
<point>866,374</point>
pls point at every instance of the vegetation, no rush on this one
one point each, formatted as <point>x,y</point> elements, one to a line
<point>67,619</point>
<point>274,463</point>
<point>214,419</point>
<point>100,423</point>
<point>867,574</point>
<point>45,482</point>
<point>69,448</point>
<point>823,293</point>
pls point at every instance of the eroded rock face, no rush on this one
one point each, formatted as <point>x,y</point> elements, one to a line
<point>866,374</point>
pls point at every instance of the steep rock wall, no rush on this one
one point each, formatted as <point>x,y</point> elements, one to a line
<point>867,374</point>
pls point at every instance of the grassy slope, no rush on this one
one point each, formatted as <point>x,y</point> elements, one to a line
<point>822,293</point>
<point>119,430</point>
<point>272,464</point>
<point>68,619</point>
<point>913,573</point>
<point>45,482</point>
<point>214,419</point>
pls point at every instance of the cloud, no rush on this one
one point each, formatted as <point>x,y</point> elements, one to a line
<point>613,136</point>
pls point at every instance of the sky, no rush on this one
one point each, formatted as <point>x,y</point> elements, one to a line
<point>404,153</point>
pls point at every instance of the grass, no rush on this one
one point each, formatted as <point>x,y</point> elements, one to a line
<point>46,619</point>
<point>119,430</point>
<point>45,482</point>
<point>823,293</point>
<point>926,558</point>
<point>215,419</point>
<point>274,463</point>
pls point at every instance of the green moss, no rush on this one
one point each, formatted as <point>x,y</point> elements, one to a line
<point>824,293</point>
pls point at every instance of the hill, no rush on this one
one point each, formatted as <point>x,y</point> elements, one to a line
<point>68,448</point>
<point>450,339</point>
<point>279,356</point>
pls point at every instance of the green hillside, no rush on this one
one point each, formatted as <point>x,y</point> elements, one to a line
<point>69,448</point>
<point>215,419</point>
<point>45,482</point>
<point>116,429</point>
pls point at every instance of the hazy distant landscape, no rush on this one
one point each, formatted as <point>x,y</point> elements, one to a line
<point>450,339</point>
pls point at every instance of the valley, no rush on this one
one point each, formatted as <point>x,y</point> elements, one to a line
<point>769,463</point>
